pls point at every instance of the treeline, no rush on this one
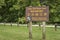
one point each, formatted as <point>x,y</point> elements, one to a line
<point>14,10</point>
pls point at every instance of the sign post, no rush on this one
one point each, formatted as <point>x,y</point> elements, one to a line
<point>30,27</point>
<point>37,14</point>
<point>30,30</point>
<point>43,31</point>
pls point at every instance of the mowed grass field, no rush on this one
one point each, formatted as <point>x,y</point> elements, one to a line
<point>22,33</point>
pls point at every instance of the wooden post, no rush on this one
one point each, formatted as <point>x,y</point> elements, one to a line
<point>11,24</point>
<point>27,24</point>
<point>55,26</point>
<point>30,30</point>
<point>43,31</point>
<point>17,24</point>
<point>39,25</point>
<point>4,23</point>
<point>30,27</point>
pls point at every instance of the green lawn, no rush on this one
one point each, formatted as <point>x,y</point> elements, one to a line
<point>21,33</point>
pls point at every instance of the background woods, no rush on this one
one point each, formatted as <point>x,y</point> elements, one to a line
<point>14,10</point>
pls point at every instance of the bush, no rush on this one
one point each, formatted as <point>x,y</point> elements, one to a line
<point>22,20</point>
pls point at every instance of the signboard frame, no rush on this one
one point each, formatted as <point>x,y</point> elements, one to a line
<point>29,13</point>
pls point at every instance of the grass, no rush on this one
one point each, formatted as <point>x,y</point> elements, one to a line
<point>21,33</point>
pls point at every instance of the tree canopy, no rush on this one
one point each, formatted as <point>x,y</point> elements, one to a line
<point>14,10</point>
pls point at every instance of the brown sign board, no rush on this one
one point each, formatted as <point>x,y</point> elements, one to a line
<point>38,13</point>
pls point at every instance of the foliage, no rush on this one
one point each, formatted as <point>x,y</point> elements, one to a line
<point>54,6</point>
<point>12,10</point>
<point>22,20</point>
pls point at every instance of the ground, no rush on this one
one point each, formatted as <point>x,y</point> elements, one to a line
<point>21,33</point>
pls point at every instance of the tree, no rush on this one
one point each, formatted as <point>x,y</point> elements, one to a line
<point>12,10</point>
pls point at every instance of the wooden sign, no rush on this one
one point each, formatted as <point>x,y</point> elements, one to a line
<point>38,13</point>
